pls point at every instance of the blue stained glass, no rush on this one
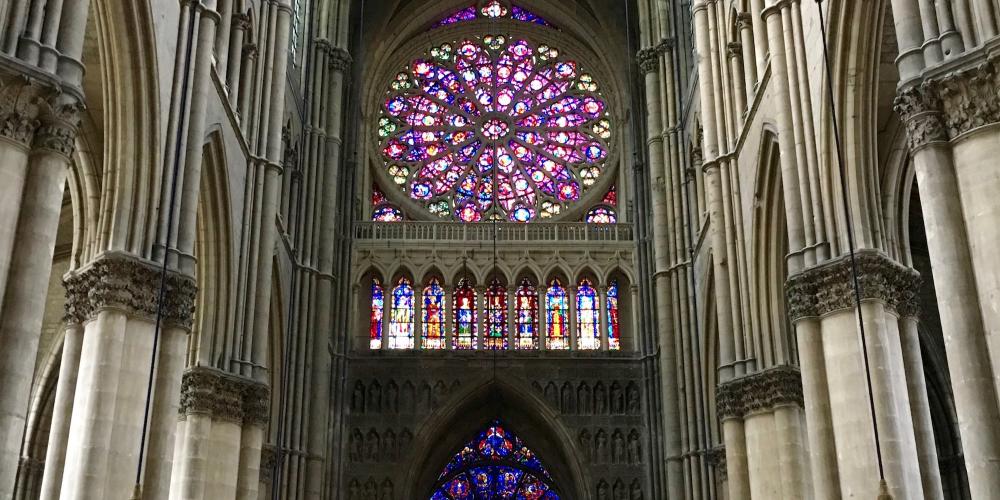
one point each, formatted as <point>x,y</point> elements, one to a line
<point>614,330</point>
<point>433,316</point>
<point>588,317</point>
<point>495,464</point>
<point>465,316</point>
<point>401,323</point>
<point>527,315</point>
<point>556,316</point>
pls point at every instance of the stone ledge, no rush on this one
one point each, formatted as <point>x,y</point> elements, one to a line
<point>224,396</point>
<point>829,287</point>
<point>759,392</point>
<point>125,282</point>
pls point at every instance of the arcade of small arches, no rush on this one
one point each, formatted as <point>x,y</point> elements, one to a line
<point>554,314</point>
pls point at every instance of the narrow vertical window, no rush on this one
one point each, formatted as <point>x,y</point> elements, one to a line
<point>433,316</point>
<point>496,316</point>
<point>401,324</point>
<point>588,316</point>
<point>465,316</point>
<point>614,331</point>
<point>556,317</point>
<point>375,324</point>
<point>527,315</point>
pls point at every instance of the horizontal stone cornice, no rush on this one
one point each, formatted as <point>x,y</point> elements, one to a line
<point>224,397</point>
<point>829,287</point>
<point>132,285</point>
<point>759,392</point>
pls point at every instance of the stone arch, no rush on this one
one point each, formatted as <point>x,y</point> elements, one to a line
<point>586,272</point>
<point>770,331</point>
<point>213,256</point>
<point>428,273</point>
<point>467,411</point>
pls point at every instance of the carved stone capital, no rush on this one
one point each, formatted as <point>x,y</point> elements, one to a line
<point>760,392</point>
<point>250,51</point>
<point>734,49</point>
<point>716,458</point>
<point>920,109</point>
<point>970,98</point>
<point>829,287</point>
<point>223,397</point>
<point>648,59</point>
<point>241,21</point>
<point>744,20</point>
<point>339,59</point>
<point>267,457</point>
<point>124,282</point>
<point>21,100</point>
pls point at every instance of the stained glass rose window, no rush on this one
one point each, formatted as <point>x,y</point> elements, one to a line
<point>494,128</point>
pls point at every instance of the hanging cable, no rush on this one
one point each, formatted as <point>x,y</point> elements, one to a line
<point>883,489</point>
<point>161,293</point>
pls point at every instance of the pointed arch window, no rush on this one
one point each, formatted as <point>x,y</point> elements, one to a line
<point>614,330</point>
<point>495,464</point>
<point>588,316</point>
<point>375,321</point>
<point>526,309</point>
<point>433,316</point>
<point>556,317</point>
<point>465,316</point>
<point>401,323</point>
<point>496,316</point>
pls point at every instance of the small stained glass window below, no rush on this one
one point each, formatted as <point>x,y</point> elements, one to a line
<point>387,213</point>
<point>495,464</point>
<point>601,215</point>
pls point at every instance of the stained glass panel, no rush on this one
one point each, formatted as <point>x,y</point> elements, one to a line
<point>465,316</point>
<point>433,316</point>
<point>387,213</point>
<point>588,317</point>
<point>401,322</point>
<point>495,464</point>
<point>601,215</point>
<point>375,323</point>
<point>614,330</point>
<point>492,9</point>
<point>526,309</point>
<point>496,316</point>
<point>494,127</point>
<point>556,317</point>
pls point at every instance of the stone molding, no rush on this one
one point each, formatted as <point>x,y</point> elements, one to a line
<point>716,458</point>
<point>829,287</point>
<point>124,282</point>
<point>648,59</point>
<point>268,455</point>
<point>339,59</point>
<point>953,104</point>
<point>734,49</point>
<point>760,392</point>
<point>224,397</point>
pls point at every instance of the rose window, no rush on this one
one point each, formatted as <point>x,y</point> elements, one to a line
<point>494,128</point>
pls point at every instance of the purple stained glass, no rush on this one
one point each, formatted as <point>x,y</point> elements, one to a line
<point>495,128</point>
<point>375,323</point>
<point>588,316</point>
<point>601,215</point>
<point>556,317</point>
<point>614,329</point>
<point>433,316</point>
<point>495,464</point>
<point>387,213</point>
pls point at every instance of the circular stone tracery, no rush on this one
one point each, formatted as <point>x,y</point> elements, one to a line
<point>494,128</point>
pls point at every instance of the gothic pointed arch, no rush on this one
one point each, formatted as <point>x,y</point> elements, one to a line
<point>468,411</point>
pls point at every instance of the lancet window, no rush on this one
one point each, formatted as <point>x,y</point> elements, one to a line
<point>588,316</point>
<point>433,316</point>
<point>401,323</point>
<point>496,316</point>
<point>465,315</point>
<point>375,322</point>
<point>614,328</point>
<point>527,315</point>
<point>556,317</point>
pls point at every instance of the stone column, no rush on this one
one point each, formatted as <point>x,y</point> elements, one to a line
<point>967,345</point>
<point>31,263</point>
<point>118,298</point>
<point>62,410</point>
<point>930,471</point>
<point>883,284</point>
<point>648,60</point>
